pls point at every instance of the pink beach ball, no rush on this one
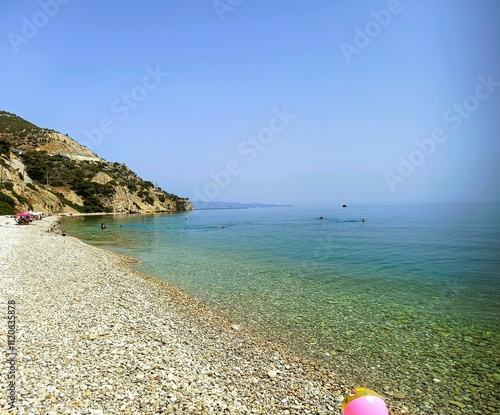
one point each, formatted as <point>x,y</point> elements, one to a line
<point>366,405</point>
<point>364,401</point>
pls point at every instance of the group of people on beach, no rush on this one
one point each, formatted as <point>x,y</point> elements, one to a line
<point>24,220</point>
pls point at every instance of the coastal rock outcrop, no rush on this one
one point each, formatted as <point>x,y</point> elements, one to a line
<point>43,170</point>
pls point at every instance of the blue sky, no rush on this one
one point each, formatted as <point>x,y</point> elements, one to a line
<point>299,102</point>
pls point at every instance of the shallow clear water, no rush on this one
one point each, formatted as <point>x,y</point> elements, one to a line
<point>405,298</point>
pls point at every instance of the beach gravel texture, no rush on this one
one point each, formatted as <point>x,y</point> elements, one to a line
<point>95,337</point>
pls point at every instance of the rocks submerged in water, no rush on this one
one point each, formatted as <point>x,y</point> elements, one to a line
<point>459,404</point>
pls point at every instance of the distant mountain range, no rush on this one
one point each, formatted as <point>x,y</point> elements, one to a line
<point>201,205</point>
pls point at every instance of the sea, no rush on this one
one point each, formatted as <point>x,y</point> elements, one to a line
<point>406,302</point>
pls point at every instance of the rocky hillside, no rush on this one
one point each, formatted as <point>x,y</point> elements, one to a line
<point>43,170</point>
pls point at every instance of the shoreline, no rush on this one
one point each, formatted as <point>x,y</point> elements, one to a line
<point>97,337</point>
<point>223,341</point>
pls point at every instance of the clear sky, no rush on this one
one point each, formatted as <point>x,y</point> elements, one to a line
<point>302,102</point>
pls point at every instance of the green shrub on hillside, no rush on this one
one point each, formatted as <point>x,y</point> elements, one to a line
<point>67,202</point>
<point>4,148</point>
<point>22,200</point>
<point>92,205</point>
<point>7,204</point>
<point>147,184</point>
<point>148,199</point>
<point>7,185</point>
<point>11,123</point>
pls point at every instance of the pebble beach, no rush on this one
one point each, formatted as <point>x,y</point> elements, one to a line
<point>93,336</point>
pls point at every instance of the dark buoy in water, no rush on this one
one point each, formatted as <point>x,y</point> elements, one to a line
<point>321,217</point>
<point>344,205</point>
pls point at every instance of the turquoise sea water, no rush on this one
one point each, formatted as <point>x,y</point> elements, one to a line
<point>406,302</point>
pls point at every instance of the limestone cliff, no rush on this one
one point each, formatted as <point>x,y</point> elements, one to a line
<point>43,170</point>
